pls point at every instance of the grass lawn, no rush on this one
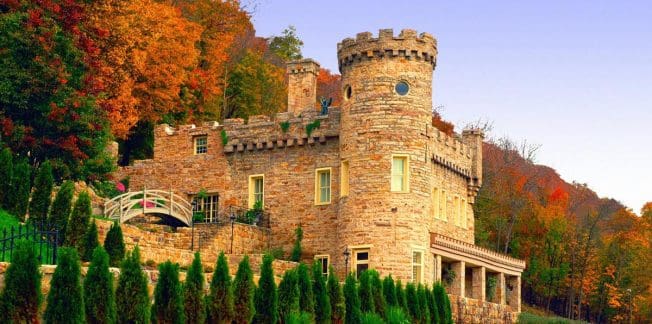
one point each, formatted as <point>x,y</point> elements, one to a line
<point>7,220</point>
<point>533,315</point>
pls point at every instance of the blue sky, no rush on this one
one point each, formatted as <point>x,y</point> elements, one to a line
<point>572,76</point>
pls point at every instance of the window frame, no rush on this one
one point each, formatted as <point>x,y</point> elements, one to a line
<point>357,262</point>
<point>406,173</point>
<point>420,251</point>
<point>195,145</point>
<point>320,258</point>
<point>443,204</point>
<point>463,212</point>
<point>344,178</point>
<point>213,213</point>
<point>319,187</point>
<point>436,192</point>
<point>456,211</point>
<point>252,188</point>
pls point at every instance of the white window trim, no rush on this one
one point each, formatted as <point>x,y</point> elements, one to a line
<point>251,201</point>
<point>328,259</point>
<point>318,187</point>
<point>194,144</point>
<point>406,173</point>
<point>423,257</point>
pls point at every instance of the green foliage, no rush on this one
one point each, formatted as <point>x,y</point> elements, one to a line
<point>225,137</point>
<point>252,215</point>
<point>287,46</point>
<point>131,295</point>
<point>312,126</point>
<point>78,224</point>
<point>336,296</point>
<point>288,295</point>
<point>266,296</point>
<point>220,299</point>
<point>299,318</point>
<point>7,220</point>
<point>296,250</point>
<point>285,126</point>
<point>194,306</point>
<point>380,305</point>
<point>19,194</point>
<point>443,304</point>
<point>21,296</point>
<point>323,310</point>
<point>396,315</point>
<point>243,293</point>
<point>114,244</point>
<point>433,308</point>
<point>389,291</point>
<point>366,293</point>
<point>306,295</point>
<point>42,196</point>
<point>90,242</point>
<point>99,299</point>
<point>424,310</point>
<point>61,208</point>
<point>490,287</point>
<point>412,301</point>
<point>401,299</point>
<point>353,312</point>
<point>371,318</point>
<point>65,300</point>
<point>6,173</point>
<point>529,318</point>
<point>168,305</point>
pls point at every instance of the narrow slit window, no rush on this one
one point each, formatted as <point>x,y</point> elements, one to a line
<point>344,179</point>
<point>323,186</point>
<point>435,203</point>
<point>361,261</point>
<point>442,206</point>
<point>417,266</point>
<point>323,262</point>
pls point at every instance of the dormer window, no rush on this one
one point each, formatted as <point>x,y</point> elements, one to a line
<point>201,144</point>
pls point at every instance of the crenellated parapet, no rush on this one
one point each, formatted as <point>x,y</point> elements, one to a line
<point>408,44</point>
<point>283,130</point>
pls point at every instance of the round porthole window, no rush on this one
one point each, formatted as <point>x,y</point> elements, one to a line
<point>402,88</point>
<point>347,92</point>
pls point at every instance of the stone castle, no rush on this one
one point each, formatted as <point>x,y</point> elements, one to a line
<point>372,183</point>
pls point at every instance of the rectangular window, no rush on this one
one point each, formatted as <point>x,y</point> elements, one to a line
<point>456,211</point>
<point>400,166</point>
<point>323,186</point>
<point>201,144</point>
<point>442,205</point>
<point>344,179</point>
<point>463,212</point>
<point>256,189</point>
<point>207,206</point>
<point>323,261</point>
<point>417,266</point>
<point>435,203</point>
<point>360,261</point>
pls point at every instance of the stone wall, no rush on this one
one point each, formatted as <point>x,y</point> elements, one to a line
<point>468,310</point>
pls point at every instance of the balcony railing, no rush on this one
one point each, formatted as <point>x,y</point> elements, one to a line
<point>234,214</point>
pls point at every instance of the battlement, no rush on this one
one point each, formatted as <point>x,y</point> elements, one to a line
<point>408,44</point>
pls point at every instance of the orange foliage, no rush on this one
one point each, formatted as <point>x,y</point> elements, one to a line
<point>441,124</point>
<point>329,86</point>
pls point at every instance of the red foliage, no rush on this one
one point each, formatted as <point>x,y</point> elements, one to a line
<point>329,86</point>
<point>441,124</point>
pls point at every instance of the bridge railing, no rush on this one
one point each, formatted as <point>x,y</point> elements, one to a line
<point>148,201</point>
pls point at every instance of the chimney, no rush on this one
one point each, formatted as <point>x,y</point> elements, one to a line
<point>302,85</point>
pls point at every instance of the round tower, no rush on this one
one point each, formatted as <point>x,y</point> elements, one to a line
<point>386,112</point>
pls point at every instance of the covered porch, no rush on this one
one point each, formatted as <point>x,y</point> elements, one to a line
<point>469,271</point>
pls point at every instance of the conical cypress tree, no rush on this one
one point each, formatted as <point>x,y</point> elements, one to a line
<point>377,293</point>
<point>168,306</point>
<point>78,224</point>
<point>323,309</point>
<point>364,290</point>
<point>21,186</point>
<point>131,296</point>
<point>266,297</point>
<point>193,293</point>
<point>422,298</point>
<point>353,312</point>
<point>99,299</point>
<point>432,306</point>
<point>288,295</point>
<point>42,196</point>
<point>22,293</point>
<point>61,208</point>
<point>243,293</point>
<point>220,299</point>
<point>401,301</point>
<point>389,291</point>
<point>65,299</point>
<point>90,242</point>
<point>306,296</point>
<point>114,245</point>
<point>296,250</point>
<point>336,296</point>
<point>412,301</point>
<point>6,173</point>
<point>443,304</point>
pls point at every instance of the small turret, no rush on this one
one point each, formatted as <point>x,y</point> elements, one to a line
<point>302,85</point>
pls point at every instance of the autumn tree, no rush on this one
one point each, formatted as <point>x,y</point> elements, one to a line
<point>329,85</point>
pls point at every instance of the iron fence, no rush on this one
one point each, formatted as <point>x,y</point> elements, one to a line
<point>42,237</point>
<point>235,214</point>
